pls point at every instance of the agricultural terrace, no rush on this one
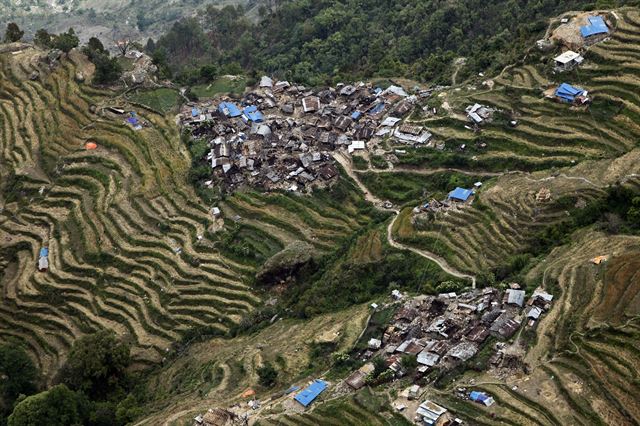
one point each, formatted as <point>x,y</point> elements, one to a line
<point>586,150</point>
<point>131,247</point>
<point>218,372</point>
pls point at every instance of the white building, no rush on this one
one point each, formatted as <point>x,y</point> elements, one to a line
<point>568,60</point>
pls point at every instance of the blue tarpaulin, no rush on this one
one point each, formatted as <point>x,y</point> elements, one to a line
<point>311,392</point>
<point>195,112</point>
<point>596,26</point>
<point>356,115</point>
<point>133,121</point>
<point>292,389</point>
<point>376,109</point>
<point>478,396</point>
<point>44,252</point>
<point>251,113</point>
<point>568,92</point>
<point>229,109</point>
<point>460,194</point>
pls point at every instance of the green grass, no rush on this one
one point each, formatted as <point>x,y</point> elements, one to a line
<point>126,63</point>
<point>219,86</point>
<point>404,187</point>
<point>162,99</point>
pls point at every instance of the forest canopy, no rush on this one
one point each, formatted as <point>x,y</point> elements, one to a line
<point>324,41</point>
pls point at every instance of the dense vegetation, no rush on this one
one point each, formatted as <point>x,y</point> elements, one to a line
<point>92,387</point>
<point>318,42</point>
<point>19,378</point>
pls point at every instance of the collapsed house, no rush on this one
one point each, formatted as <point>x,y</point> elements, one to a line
<point>479,114</point>
<point>412,135</point>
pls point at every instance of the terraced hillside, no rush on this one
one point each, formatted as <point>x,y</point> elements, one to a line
<point>217,372</point>
<point>548,135</point>
<point>506,216</point>
<point>131,248</point>
<point>361,408</point>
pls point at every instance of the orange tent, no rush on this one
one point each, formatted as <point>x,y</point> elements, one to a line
<point>90,145</point>
<point>598,260</point>
<point>248,393</point>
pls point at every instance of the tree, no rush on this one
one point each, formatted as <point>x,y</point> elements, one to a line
<point>95,44</point>
<point>97,365</point>
<point>13,33</point>
<point>150,47</point>
<point>208,72</point>
<point>108,70</point>
<point>123,46</point>
<point>42,38</point>
<point>408,362</point>
<point>58,406</point>
<point>66,41</point>
<point>18,376</point>
<point>379,366</point>
<point>267,375</point>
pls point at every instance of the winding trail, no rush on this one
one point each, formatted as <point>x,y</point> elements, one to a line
<point>345,162</point>
<point>428,172</point>
<point>428,255</point>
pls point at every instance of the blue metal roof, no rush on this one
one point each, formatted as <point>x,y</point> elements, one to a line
<point>568,92</point>
<point>311,392</point>
<point>44,252</point>
<point>356,115</point>
<point>252,114</point>
<point>596,26</point>
<point>460,194</point>
<point>229,109</point>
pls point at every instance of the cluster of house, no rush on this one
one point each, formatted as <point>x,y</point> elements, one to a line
<point>456,198</point>
<point>281,135</point>
<point>594,31</point>
<point>446,330</point>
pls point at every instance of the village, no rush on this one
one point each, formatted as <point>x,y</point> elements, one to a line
<point>282,136</point>
<point>428,334</point>
<point>426,337</point>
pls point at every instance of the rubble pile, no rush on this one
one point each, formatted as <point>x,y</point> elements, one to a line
<point>445,330</point>
<point>282,136</point>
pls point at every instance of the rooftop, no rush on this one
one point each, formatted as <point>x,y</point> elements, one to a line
<point>311,392</point>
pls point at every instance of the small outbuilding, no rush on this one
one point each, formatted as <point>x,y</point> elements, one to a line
<point>568,60</point>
